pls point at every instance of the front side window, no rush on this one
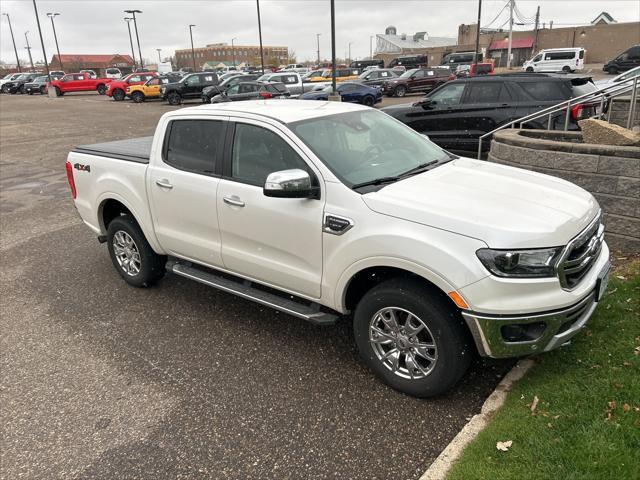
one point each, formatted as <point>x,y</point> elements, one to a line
<point>362,146</point>
<point>257,152</point>
<point>134,79</point>
<point>194,145</point>
<point>193,81</point>
<point>448,95</point>
<point>233,89</point>
<point>537,58</point>
<point>419,74</point>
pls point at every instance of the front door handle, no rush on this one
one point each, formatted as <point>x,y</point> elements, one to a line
<point>164,183</point>
<point>233,200</point>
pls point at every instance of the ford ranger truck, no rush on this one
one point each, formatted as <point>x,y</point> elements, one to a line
<point>80,82</point>
<point>328,209</point>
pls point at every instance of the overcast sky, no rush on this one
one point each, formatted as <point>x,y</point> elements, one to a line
<point>88,26</point>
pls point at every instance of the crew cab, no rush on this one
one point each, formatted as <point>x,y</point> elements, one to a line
<point>189,86</point>
<point>322,209</point>
<point>117,89</point>
<point>151,88</point>
<point>80,82</point>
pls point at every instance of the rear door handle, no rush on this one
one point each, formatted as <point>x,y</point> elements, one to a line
<point>233,200</point>
<point>164,183</point>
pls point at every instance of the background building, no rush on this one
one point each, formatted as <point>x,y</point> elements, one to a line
<point>98,63</point>
<point>391,45</point>
<point>222,52</point>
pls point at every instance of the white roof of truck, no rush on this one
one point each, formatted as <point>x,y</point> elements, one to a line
<point>285,111</point>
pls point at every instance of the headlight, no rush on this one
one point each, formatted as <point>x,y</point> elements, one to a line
<point>520,263</point>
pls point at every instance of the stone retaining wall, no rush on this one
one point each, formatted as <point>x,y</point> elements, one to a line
<point>611,174</point>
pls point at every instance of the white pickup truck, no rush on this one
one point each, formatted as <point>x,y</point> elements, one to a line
<point>322,209</point>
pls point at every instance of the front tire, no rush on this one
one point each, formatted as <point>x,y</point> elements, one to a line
<point>137,97</point>
<point>131,254</point>
<point>118,95</point>
<point>612,70</point>
<point>174,98</point>
<point>102,89</point>
<point>400,91</point>
<point>530,69</point>
<point>411,338</point>
<point>59,93</point>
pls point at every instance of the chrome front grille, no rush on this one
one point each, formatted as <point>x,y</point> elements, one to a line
<point>580,254</point>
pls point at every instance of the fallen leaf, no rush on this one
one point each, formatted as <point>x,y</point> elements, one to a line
<point>620,277</point>
<point>555,417</point>
<point>626,407</point>
<point>625,363</point>
<point>612,404</point>
<point>504,446</point>
<point>534,404</point>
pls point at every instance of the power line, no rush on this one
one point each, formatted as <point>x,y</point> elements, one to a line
<point>498,15</point>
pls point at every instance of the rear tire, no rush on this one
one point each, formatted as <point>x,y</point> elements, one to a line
<point>612,70</point>
<point>102,89</point>
<point>43,90</point>
<point>530,69</point>
<point>118,95</point>
<point>131,254</point>
<point>566,69</point>
<point>174,98</point>
<point>427,326</point>
<point>58,92</point>
<point>400,91</point>
<point>137,97</point>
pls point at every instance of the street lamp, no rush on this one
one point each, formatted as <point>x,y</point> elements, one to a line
<point>28,47</point>
<point>233,52</point>
<point>193,53</point>
<point>14,42</point>
<point>133,55</point>
<point>135,25</point>
<point>318,39</point>
<point>55,36</point>
<point>159,61</point>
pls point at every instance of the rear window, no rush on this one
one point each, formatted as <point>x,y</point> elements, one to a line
<point>193,145</point>
<point>486,92</point>
<point>542,90</point>
<point>275,88</point>
<point>582,87</point>
<point>559,55</point>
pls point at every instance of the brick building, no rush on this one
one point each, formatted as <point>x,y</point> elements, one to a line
<point>98,63</point>
<point>221,52</point>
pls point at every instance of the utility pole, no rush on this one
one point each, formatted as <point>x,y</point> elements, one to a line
<point>260,34</point>
<point>193,52</point>
<point>28,47</point>
<point>233,52</point>
<point>371,47</point>
<point>475,60</point>
<point>159,61</point>
<point>135,25</point>
<point>133,54</point>
<point>510,33</point>
<point>333,48</point>
<point>44,53</point>
<point>318,39</point>
<point>55,36</point>
<point>535,40</point>
<point>350,51</point>
<point>14,43</point>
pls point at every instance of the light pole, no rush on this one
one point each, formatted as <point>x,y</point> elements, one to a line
<point>475,60</point>
<point>133,55</point>
<point>44,53</point>
<point>55,36</point>
<point>260,34</point>
<point>371,47</point>
<point>333,48</point>
<point>233,52</point>
<point>28,47</point>
<point>318,38</point>
<point>193,52</point>
<point>14,43</point>
<point>159,61</point>
<point>350,51</point>
<point>135,25</point>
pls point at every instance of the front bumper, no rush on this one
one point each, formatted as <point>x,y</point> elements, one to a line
<point>496,336</point>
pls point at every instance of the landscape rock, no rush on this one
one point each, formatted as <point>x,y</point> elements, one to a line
<point>605,133</point>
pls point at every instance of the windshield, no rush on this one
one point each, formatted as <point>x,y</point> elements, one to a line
<point>408,73</point>
<point>40,79</point>
<point>366,145</point>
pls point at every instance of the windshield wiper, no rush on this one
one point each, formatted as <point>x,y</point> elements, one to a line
<point>377,181</point>
<point>419,169</point>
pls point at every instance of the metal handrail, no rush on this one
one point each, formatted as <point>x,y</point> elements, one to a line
<point>608,92</point>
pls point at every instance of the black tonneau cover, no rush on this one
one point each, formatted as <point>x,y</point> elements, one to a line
<point>132,150</point>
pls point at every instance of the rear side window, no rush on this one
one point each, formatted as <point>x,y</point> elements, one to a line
<point>542,90</point>
<point>194,145</point>
<point>634,53</point>
<point>486,92</point>
<point>559,55</point>
<point>582,87</point>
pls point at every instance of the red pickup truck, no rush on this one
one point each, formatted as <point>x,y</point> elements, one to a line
<point>118,88</point>
<point>80,82</point>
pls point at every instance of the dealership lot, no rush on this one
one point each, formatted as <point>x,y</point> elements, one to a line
<point>178,380</point>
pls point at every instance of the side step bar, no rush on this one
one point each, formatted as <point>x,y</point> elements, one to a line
<point>244,289</point>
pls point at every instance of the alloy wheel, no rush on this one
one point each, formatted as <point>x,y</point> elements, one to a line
<point>126,253</point>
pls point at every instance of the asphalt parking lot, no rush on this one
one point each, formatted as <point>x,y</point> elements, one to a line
<point>101,380</point>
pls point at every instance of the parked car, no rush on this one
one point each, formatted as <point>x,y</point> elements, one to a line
<point>377,76</point>
<point>453,60</point>
<point>341,210</point>
<point>363,64</point>
<point>113,72</point>
<point>294,67</point>
<point>37,85</point>
<point>556,60</point>
<point>57,74</point>
<point>627,60</point>
<point>409,62</point>
<point>634,72</point>
<point>117,89</point>
<point>17,85</point>
<point>91,73</point>
<point>8,78</point>
<point>226,75</point>
<point>211,91</point>
<point>351,92</point>
<point>474,70</point>
<point>151,88</point>
<point>189,86</point>
<point>457,113</point>
<point>79,82</point>
<point>313,76</point>
<point>292,80</point>
<point>416,80</point>
<point>252,91</point>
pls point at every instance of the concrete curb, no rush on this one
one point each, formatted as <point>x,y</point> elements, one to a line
<point>440,467</point>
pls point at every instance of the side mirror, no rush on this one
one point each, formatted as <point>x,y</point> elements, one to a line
<point>426,102</point>
<point>294,183</point>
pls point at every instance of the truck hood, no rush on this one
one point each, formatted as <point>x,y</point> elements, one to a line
<point>503,206</point>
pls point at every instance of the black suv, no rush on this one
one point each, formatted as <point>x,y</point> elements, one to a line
<point>189,86</point>
<point>627,60</point>
<point>17,85</point>
<point>457,113</point>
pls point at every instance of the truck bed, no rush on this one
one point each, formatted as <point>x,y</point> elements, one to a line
<point>132,150</point>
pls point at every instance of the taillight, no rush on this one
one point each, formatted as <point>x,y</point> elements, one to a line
<point>266,95</point>
<point>72,183</point>
<point>582,111</point>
